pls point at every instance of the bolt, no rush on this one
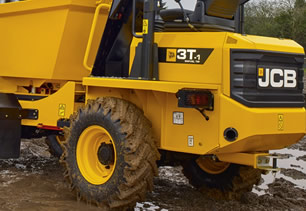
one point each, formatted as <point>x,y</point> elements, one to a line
<point>214,158</point>
<point>6,115</point>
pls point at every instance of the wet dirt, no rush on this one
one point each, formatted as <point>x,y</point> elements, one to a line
<point>35,182</point>
<point>293,173</point>
<point>302,158</point>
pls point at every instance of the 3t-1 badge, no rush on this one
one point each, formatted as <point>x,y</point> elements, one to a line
<point>184,55</point>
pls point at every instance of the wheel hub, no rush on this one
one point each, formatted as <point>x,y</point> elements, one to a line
<point>96,155</point>
<point>211,166</point>
<point>106,154</point>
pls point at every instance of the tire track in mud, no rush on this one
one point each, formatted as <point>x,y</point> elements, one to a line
<point>35,182</point>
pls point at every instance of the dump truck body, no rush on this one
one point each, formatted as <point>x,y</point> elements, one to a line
<point>42,46</point>
<point>211,96</point>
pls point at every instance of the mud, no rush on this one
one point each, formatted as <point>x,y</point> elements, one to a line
<point>302,158</point>
<point>35,182</point>
<point>293,173</point>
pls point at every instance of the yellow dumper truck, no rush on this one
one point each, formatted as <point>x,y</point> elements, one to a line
<point>126,85</point>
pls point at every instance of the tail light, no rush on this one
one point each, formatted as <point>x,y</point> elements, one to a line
<point>195,99</point>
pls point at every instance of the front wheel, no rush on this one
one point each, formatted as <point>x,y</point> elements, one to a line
<point>54,143</point>
<point>110,154</point>
<point>220,180</point>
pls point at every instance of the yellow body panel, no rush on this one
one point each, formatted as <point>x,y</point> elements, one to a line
<point>46,39</point>
<point>275,44</point>
<point>170,87</point>
<point>157,99</point>
<point>241,158</point>
<point>52,108</point>
<point>207,73</point>
<point>259,127</point>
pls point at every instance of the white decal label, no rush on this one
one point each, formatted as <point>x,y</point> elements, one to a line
<point>190,141</point>
<point>178,118</point>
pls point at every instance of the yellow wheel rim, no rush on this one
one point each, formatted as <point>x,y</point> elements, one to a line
<point>210,166</point>
<point>87,155</point>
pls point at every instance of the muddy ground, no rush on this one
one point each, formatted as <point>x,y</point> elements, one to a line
<point>35,182</point>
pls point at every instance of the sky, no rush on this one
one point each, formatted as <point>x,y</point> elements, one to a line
<point>187,4</point>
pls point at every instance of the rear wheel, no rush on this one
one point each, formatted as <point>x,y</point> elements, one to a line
<point>220,180</point>
<point>110,154</point>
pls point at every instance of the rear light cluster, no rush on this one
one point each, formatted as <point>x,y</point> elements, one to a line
<point>195,99</point>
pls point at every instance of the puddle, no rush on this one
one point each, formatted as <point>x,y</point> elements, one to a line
<point>290,161</point>
<point>148,206</point>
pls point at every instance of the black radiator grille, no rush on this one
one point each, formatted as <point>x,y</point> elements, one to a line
<point>245,67</point>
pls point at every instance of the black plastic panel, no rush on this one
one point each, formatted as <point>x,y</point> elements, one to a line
<point>10,126</point>
<point>10,133</point>
<point>112,59</point>
<point>244,78</point>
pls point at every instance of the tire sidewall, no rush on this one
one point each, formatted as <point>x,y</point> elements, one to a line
<point>202,178</point>
<point>113,128</point>
<point>54,146</point>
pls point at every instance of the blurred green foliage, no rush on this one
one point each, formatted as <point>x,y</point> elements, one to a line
<point>277,18</point>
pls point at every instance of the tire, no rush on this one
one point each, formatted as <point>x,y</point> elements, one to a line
<point>229,184</point>
<point>53,141</point>
<point>128,173</point>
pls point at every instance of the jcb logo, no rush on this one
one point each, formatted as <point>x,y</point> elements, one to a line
<point>171,55</point>
<point>276,78</point>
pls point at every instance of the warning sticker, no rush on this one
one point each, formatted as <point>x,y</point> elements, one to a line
<point>62,110</point>
<point>145,26</point>
<point>281,122</point>
<point>178,118</point>
<point>190,141</point>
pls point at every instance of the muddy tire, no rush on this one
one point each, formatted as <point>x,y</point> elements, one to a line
<point>127,170</point>
<point>53,141</point>
<point>232,183</point>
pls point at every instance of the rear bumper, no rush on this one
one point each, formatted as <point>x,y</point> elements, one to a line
<point>262,161</point>
<point>259,129</point>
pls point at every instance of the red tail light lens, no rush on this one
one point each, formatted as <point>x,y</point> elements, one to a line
<point>198,99</point>
<point>195,99</point>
